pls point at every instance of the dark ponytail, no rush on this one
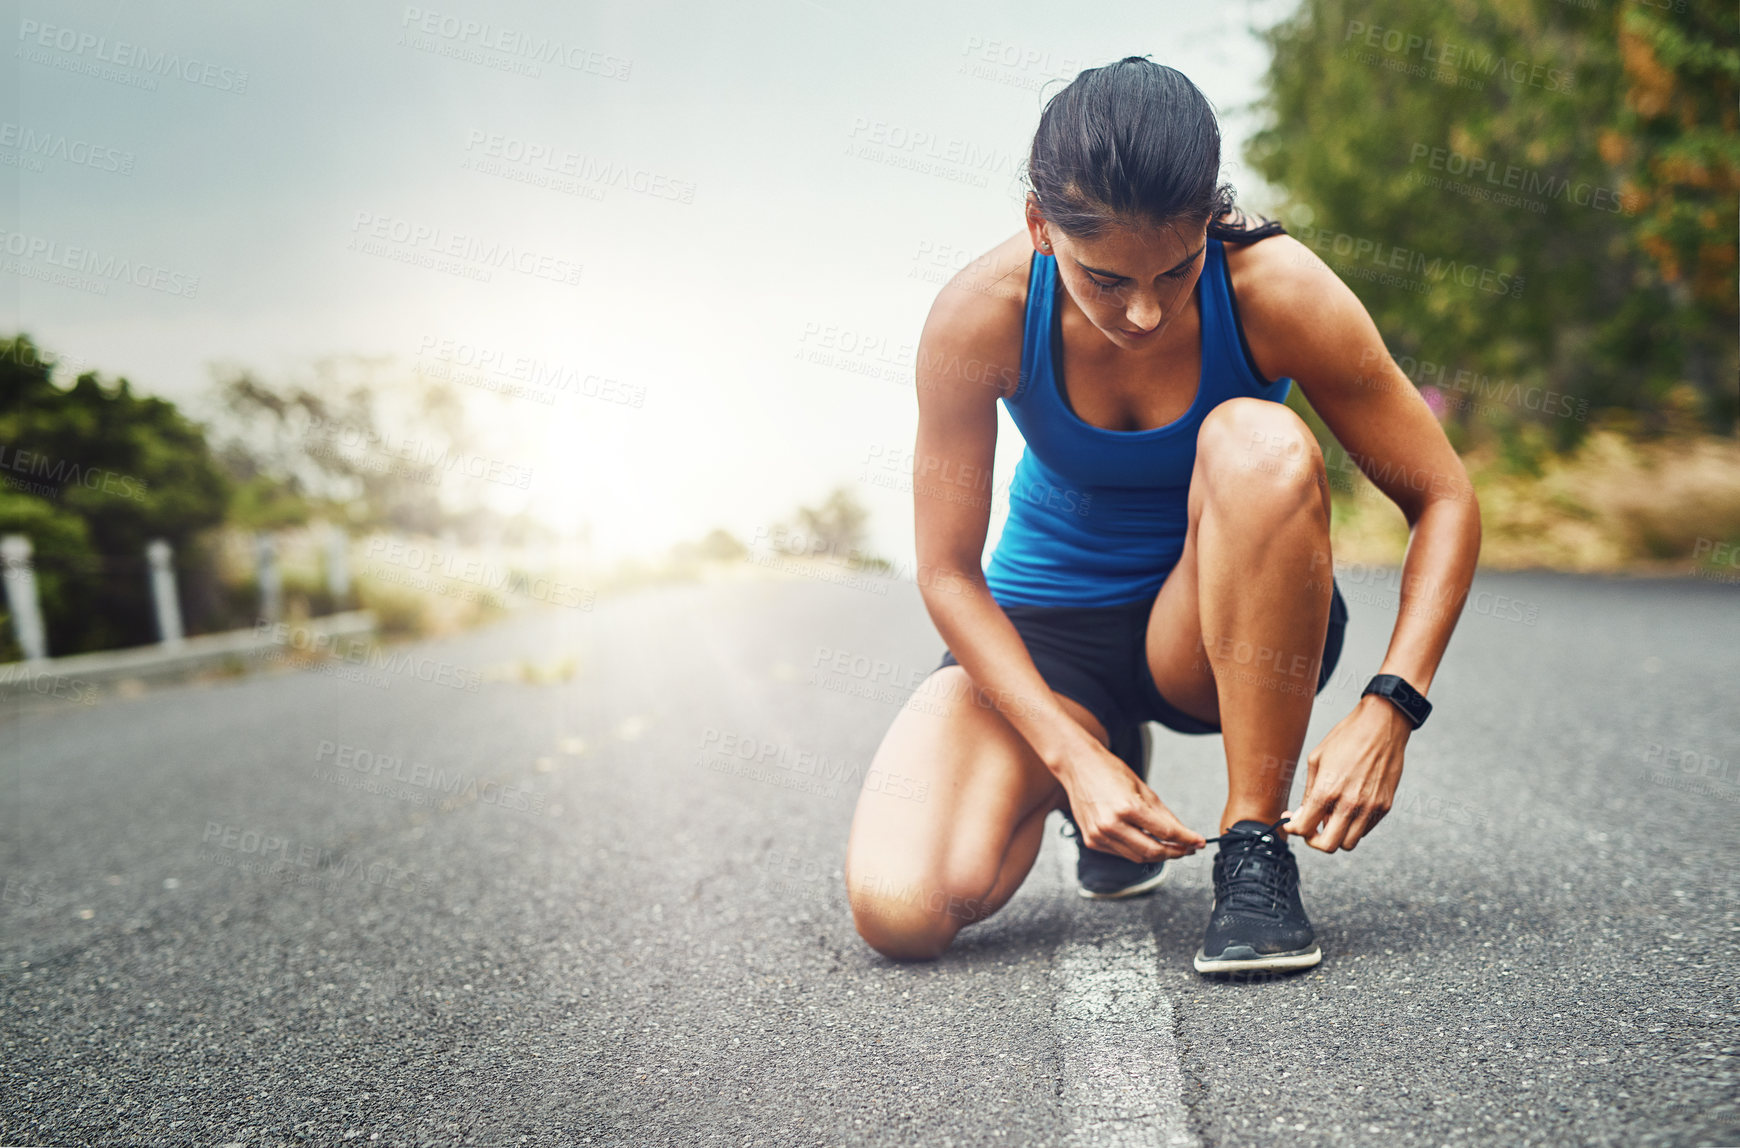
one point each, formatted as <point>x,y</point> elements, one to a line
<point>1133,142</point>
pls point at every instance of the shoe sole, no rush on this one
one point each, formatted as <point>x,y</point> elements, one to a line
<point>1135,890</point>
<point>1273,962</point>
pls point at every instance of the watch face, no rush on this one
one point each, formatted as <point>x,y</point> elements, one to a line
<point>1403,696</point>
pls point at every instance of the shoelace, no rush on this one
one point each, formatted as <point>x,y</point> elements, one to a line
<point>1266,884</point>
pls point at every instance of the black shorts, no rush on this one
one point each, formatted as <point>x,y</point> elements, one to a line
<point>1097,655</point>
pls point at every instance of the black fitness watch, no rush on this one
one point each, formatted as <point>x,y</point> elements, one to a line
<point>1404,697</point>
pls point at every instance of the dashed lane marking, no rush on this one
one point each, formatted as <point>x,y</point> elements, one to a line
<point>1121,1081</point>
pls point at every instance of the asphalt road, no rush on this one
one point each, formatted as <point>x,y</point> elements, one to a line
<point>560,908</point>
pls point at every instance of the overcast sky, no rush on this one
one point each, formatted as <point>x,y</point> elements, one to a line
<point>719,224</point>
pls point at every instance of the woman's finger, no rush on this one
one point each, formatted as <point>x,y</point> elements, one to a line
<point>1157,821</point>
<point>1312,809</point>
<point>1335,827</point>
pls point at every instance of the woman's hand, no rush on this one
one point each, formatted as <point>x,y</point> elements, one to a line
<point>1117,812</point>
<point>1351,777</point>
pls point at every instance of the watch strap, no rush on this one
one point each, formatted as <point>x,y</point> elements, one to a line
<point>1403,696</point>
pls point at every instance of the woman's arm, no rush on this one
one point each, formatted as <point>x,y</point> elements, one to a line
<point>969,354</point>
<point>1302,321</point>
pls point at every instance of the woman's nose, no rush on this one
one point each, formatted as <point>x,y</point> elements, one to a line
<point>1143,314</point>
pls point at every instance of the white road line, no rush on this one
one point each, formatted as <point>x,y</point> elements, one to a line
<point>1121,1081</point>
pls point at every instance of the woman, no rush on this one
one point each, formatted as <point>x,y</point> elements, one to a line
<point>1166,555</point>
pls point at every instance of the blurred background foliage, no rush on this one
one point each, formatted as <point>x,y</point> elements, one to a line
<point>90,473</point>
<point>1614,127</point>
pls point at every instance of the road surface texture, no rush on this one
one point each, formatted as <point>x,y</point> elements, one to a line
<point>575,879</point>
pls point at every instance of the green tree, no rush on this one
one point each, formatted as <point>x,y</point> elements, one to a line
<point>92,473</point>
<point>838,527</point>
<point>1457,165</point>
<point>343,446</point>
<point>1679,137</point>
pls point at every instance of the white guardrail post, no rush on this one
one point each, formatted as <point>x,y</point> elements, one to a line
<point>20,579</point>
<point>158,553</point>
<point>338,566</point>
<point>270,578</point>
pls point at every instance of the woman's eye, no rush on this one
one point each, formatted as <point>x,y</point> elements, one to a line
<point>1181,272</point>
<point>1103,285</point>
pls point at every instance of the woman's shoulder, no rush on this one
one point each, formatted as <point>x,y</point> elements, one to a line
<point>1287,299</point>
<point>991,289</point>
<point>979,314</point>
<point>1276,280</point>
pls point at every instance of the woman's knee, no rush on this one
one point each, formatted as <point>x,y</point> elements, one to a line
<point>914,920</point>
<point>1245,441</point>
<point>903,933</point>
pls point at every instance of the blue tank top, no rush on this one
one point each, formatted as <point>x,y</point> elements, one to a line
<point>1097,517</point>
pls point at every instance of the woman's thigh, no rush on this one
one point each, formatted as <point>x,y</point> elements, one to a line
<point>1174,645</point>
<point>1256,501</point>
<point>917,871</point>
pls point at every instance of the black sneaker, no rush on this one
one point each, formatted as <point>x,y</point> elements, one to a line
<point>1107,876</point>
<point>1258,923</point>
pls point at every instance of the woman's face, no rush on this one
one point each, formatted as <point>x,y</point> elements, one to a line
<point>1132,279</point>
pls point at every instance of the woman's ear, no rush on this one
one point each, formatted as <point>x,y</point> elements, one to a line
<point>1037,228</point>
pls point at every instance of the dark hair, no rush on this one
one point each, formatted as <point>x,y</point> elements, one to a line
<point>1133,141</point>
